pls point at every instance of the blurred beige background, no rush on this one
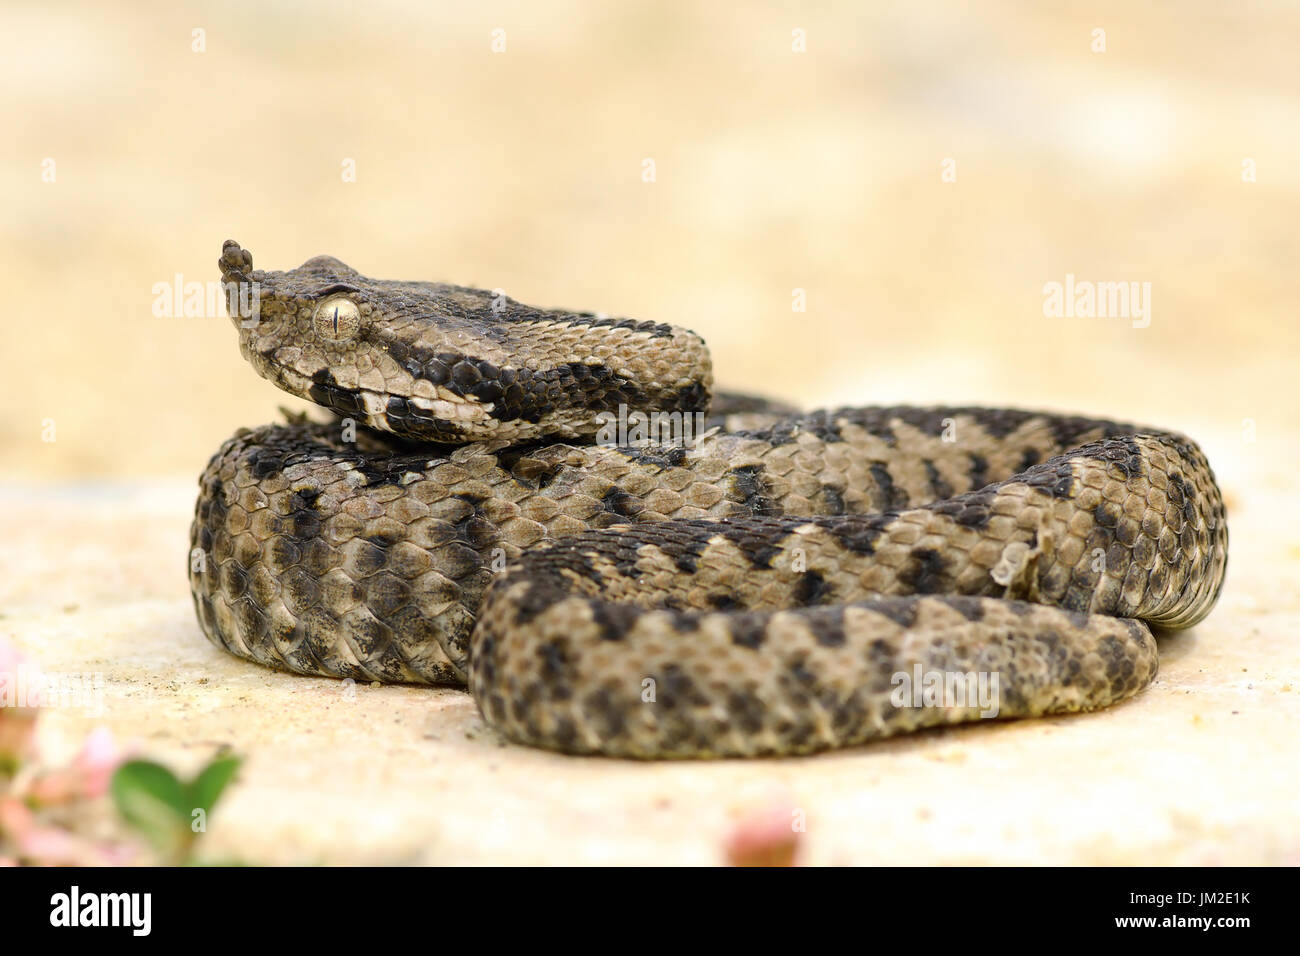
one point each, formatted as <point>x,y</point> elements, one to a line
<point>775,170</point>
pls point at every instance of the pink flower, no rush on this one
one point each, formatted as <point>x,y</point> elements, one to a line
<point>98,759</point>
<point>17,737</point>
<point>766,837</point>
<point>18,702</point>
<point>15,818</point>
<point>20,682</point>
<point>53,788</point>
<point>86,778</point>
<point>51,847</point>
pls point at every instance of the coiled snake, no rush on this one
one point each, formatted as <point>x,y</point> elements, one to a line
<point>771,588</point>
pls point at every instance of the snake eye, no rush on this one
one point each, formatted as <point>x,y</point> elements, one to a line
<point>336,319</point>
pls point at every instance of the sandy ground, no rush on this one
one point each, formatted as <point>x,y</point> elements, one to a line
<point>1199,769</point>
<point>1167,159</point>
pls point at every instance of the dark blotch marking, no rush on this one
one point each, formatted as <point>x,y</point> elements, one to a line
<point>371,559</point>
<point>902,611</point>
<point>748,488</point>
<point>606,714</point>
<point>613,620</point>
<point>833,500</point>
<point>556,669</point>
<point>828,628</point>
<point>858,533</point>
<point>658,457</point>
<point>888,496</point>
<point>824,425</point>
<point>1183,495</point>
<point>675,689</point>
<point>535,600</point>
<point>812,589</point>
<point>263,462</point>
<point>1106,516</point>
<point>758,541</point>
<point>748,630</point>
<point>970,608</point>
<point>938,486</point>
<point>972,509</point>
<point>325,390</point>
<point>305,520</point>
<point>924,572</point>
<point>747,710</point>
<point>1051,478</point>
<point>617,501</point>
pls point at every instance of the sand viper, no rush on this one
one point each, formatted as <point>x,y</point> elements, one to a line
<point>487,508</point>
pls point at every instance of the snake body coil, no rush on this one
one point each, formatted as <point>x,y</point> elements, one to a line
<point>774,586</point>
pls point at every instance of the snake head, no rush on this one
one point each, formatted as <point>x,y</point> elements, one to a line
<point>435,362</point>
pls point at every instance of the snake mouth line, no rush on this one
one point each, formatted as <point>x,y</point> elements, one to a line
<point>406,416</point>
<point>418,418</point>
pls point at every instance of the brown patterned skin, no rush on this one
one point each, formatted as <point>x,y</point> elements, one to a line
<point>428,361</point>
<point>767,590</point>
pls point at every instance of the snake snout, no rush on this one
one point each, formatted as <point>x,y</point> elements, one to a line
<point>236,263</point>
<point>242,285</point>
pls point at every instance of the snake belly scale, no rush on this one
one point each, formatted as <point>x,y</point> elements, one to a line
<point>757,590</point>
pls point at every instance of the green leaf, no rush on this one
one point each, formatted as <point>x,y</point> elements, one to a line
<point>206,788</point>
<point>152,800</point>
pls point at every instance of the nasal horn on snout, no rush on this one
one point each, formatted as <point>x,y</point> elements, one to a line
<point>236,263</point>
<point>240,283</point>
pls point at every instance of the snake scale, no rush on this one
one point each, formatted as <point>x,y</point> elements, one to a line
<point>757,589</point>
